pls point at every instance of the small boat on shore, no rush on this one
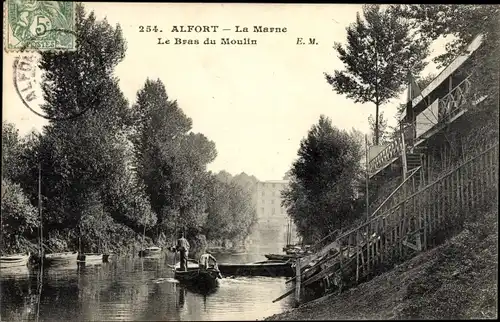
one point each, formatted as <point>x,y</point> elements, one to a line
<point>273,268</point>
<point>281,257</point>
<point>150,252</point>
<point>90,258</point>
<point>18,260</point>
<point>59,259</point>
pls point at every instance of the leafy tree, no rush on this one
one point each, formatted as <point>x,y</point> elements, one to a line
<point>170,161</point>
<point>85,156</point>
<point>19,218</point>
<point>322,191</point>
<point>11,150</point>
<point>382,129</point>
<point>380,51</point>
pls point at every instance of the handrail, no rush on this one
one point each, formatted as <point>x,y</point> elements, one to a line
<point>412,172</point>
<point>324,238</point>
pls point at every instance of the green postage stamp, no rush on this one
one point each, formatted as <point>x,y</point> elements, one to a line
<point>40,25</point>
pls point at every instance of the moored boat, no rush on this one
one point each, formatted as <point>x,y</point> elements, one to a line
<point>18,260</point>
<point>264,268</point>
<point>58,259</point>
<point>89,258</point>
<point>150,252</point>
<point>282,257</point>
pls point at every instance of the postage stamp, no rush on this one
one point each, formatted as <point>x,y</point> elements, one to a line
<point>35,25</point>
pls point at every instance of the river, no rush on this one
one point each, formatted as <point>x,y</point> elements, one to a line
<point>135,289</point>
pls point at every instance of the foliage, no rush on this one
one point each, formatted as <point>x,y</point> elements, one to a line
<point>323,187</point>
<point>382,130</point>
<point>380,51</point>
<point>231,214</point>
<point>19,217</point>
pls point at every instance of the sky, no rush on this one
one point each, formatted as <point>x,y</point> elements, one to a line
<point>255,102</point>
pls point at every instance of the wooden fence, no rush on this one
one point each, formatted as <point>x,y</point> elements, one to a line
<point>408,225</point>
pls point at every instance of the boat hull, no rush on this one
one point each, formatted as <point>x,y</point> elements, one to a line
<point>61,259</point>
<point>90,258</point>
<point>281,257</point>
<point>14,261</point>
<point>271,269</point>
<point>200,278</point>
<point>150,252</point>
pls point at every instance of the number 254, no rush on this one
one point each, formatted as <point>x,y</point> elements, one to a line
<point>148,28</point>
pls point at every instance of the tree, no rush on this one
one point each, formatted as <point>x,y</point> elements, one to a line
<point>169,159</point>
<point>382,129</point>
<point>85,157</point>
<point>19,218</point>
<point>322,191</point>
<point>380,51</point>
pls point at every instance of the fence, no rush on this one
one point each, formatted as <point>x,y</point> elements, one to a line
<point>411,224</point>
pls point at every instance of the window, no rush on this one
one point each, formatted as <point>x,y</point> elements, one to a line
<point>263,193</point>
<point>274,194</point>
<point>262,210</point>
<point>272,201</point>
<point>274,212</point>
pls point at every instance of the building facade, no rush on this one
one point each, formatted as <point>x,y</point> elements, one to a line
<point>273,221</point>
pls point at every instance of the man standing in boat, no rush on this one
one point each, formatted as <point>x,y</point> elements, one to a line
<point>183,248</point>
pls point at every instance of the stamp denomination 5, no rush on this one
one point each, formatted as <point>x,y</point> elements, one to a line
<point>29,23</point>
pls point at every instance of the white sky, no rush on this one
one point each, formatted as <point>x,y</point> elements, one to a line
<point>255,102</point>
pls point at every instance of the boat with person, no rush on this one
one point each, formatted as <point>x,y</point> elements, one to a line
<point>16,260</point>
<point>200,276</point>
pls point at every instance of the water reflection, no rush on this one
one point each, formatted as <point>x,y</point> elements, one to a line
<point>133,289</point>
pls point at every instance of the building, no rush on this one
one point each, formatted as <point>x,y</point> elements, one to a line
<point>431,117</point>
<point>272,218</point>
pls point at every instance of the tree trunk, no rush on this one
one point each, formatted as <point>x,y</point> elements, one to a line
<point>376,122</point>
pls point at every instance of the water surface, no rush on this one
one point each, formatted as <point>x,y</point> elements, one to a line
<point>135,289</point>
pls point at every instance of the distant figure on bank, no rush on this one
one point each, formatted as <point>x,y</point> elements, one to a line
<point>183,248</point>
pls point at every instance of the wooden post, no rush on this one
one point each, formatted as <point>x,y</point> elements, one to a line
<point>298,281</point>
<point>357,256</point>
<point>367,178</point>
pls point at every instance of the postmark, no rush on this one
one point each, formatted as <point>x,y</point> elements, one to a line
<point>28,23</point>
<point>28,79</point>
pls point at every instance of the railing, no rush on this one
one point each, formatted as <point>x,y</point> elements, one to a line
<point>449,105</point>
<point>417,218</point>
<point>454,100</point>
<point>392,151</point>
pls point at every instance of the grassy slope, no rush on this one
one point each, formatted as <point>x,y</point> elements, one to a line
<point>456,280</point>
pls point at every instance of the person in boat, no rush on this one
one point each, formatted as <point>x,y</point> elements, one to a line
<point>207,261</point>
<point>183,249</point>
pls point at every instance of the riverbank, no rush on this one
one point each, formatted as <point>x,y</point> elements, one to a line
<point>456,280</point>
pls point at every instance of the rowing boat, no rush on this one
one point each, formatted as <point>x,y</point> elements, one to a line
<point>150,252</point>
<point>58,259</point>
<point>264,268</point>
<point>201,278</point>
<point>18,260</point>
<point>90,258</point>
